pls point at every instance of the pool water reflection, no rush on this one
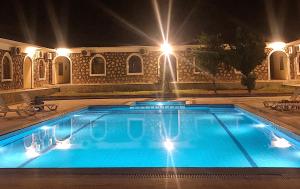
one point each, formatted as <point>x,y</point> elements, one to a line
<point>123,136</point>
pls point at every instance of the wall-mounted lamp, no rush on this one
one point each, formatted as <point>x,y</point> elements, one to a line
<point>63,52</point>
<point>277,45</point>
<point>30,51</point>
<point>166,48</point>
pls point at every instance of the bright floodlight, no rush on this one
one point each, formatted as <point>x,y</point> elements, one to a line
<point>169,145</point>
<point>63,51</point>
<point>166,48</point>
<point>277,45</point>
<point>30,51</point>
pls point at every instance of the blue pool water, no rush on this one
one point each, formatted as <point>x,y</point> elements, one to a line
<point>154,134</point>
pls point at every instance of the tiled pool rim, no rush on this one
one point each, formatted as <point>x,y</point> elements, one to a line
<point>156,172</point>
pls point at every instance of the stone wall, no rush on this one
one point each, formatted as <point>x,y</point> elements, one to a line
<point>36,75</point>
<point>261,71</point>
<point>294,60</point>
<point>116,70</point>
<point>17,81</point>
<point>186,71</point>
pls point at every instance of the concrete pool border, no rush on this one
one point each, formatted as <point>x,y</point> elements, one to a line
<point>157,172</point>
<point>88,178</point>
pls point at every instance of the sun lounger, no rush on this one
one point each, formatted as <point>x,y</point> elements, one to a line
<point>271,104</point>
<point>28,101</point>
<point>286,107</point>
<point>21,111</point>
<point>293,99</point>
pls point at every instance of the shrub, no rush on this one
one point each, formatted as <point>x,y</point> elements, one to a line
<point>249,81</point>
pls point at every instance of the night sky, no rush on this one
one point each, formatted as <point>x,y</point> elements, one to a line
<point>72,23</point>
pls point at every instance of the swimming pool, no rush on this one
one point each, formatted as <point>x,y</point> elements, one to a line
<point>152,134</point>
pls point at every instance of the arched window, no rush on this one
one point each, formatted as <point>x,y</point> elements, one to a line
<point>42,70</point>
<point>167,68</point>
<point>134,65</point>
<point>7,68</point>
<point>98,66</point>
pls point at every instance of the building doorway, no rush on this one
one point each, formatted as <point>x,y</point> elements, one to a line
<point>27,74</point>
<point>168,68</point>
<point>62,70</point>
<point>278,66</point>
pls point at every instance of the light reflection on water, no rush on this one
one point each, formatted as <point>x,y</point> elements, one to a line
<point>141,138</point>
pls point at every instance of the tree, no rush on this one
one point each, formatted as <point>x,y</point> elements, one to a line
<point>246,52</point>
<point>210,55</point>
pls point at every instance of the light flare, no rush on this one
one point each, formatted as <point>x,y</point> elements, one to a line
<point>56,26</point>
<point>166,48</point>
<point>158,18</point>
<point>63,145</point>
<point>31,152</point>
<point>173,74</point>
<point>276,20</point>
<point>30,51</point>
<point>260,125</point>
<point>27,29</point>
<point>279,45</point>
<point>280,142</point>
<point>63,52</point>
<point>125,22</point>
<point>45,128</point>
<point>169,19</point>
<point>169,145</point>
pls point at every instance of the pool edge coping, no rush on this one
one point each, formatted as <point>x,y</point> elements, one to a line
<point>158,172</point>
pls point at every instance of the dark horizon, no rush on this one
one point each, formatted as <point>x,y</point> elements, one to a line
<point>132,22</point>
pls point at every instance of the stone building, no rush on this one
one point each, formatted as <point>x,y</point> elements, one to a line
<point>25,66</point>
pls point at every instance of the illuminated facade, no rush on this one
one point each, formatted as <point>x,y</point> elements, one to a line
<point>28,66</point>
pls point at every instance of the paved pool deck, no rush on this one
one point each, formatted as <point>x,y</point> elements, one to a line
<point>17,179</point>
